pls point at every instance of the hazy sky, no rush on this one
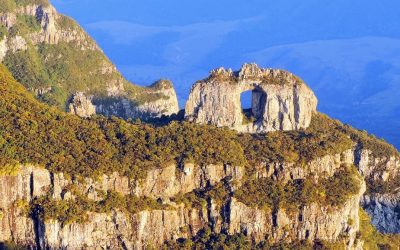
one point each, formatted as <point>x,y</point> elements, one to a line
<point>347,51</point>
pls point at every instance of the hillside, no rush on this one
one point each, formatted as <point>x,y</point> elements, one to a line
<point>204,186</point>
<point>53,57</point>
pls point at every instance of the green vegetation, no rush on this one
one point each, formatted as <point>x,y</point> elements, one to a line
<point>7,6</point>
<point>28,68</point>
<point>24,25</point>
<point>9,169</point>
<point>206,239</point>
<point>374,240</point>
<point>33,2</point>
<point>3,32</point>
<point>31,132</point>
<point>78,209</point>
<point>379,147</point>
<point>29,24</point>
<point>323,137</point>
<point>332,191</point>
<point>10,5</point>
<point>199,198</point>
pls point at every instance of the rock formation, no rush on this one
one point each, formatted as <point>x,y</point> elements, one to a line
<point>152,227</point>
<point>82,106</point>
<point>161,101</point>
<point>382,206</point>
<point>384,210</point>
<point>280,100</point>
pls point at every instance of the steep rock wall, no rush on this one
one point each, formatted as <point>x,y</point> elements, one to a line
<point>382,206</point>
<point>118,229</point>
<point>280,101</point>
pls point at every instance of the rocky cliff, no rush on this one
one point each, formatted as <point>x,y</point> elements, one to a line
<point>382,202</point>
<point>280,100</point>
<point>54,58</point>
<point>67,182</point>
<point>152,227</point>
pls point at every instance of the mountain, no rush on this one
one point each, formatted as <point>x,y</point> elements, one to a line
<point>69,182</point>
<point>347,51</point>
<point>53,57</point>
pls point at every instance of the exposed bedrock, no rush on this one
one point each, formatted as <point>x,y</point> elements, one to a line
<point>280,100</point>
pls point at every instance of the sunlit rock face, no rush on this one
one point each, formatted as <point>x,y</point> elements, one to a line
<point>280,100</point>
<point>82,106</point>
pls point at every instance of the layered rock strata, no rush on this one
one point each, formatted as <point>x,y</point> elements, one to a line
<point>151,228</point>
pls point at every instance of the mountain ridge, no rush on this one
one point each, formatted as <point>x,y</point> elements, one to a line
<point>54,58</point>
<point>184,180</point>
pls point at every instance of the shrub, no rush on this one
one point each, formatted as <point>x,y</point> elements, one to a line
<point>333,191</point>
<point>77,210</point>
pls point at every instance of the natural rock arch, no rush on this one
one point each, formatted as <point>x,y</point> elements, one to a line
<point>280,101</point>
<point>258,102</point>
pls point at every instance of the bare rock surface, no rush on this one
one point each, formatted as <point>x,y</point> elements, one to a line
<point>82,105</point>
<point>280,100</point>
<point>150,228</point>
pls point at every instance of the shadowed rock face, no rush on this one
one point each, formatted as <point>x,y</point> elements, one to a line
<point>280,100</point>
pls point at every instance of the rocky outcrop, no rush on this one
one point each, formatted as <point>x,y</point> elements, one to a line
<point>384,210</point>
<point>161,101</point>
<point>170,181</point>
<point>82,106</point>
<point>150,228</point>
<point>308,223</point>
<point>382,206</point>
<point>376,168</point>
<point>3,48</point>
<point>280,100</point>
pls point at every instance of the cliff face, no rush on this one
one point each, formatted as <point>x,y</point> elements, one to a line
<point>280,101</point>
<point>82,106</point>
<point>152,227</point>
<point>382,205</point>
<point>55,59</point>
<point>163,101</point>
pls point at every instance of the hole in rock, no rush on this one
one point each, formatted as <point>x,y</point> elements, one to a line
<point>253,104</point>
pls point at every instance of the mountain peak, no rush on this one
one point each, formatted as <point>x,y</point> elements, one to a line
<point>52,56</point>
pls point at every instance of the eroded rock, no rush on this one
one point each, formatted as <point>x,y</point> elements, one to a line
<point>280,100</point>
<point>82,106</point>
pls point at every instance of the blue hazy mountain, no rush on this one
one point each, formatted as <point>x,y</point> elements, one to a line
<point>347,51</point>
